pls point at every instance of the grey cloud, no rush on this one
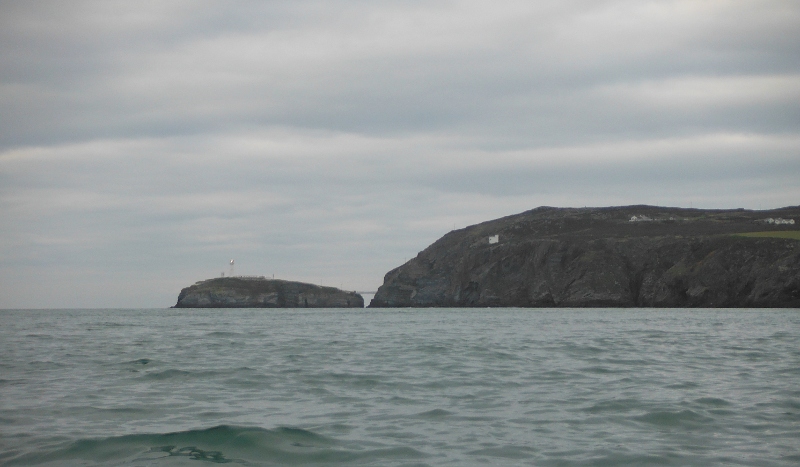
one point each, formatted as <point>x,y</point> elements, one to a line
<point>143,144</point>
<point>364,70</point>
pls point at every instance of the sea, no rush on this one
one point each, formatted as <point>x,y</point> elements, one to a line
<point>400,387</point>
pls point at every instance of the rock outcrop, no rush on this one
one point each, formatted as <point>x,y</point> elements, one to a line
<point>259,292</point>
<point>633,256</point>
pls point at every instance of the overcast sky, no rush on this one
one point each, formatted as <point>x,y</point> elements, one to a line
<point>145,144</point>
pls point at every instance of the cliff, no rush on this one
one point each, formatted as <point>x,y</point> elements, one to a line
<point>257,292</point>
<point>633,256</point>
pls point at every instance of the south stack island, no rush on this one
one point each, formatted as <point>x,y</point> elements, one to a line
<point>262,292</point>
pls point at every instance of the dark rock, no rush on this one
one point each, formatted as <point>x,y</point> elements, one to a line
<point>604,257</point>
<point>259,292</point>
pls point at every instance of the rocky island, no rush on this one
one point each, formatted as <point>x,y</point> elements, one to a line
<point>632,256</point>
<point>260,292</point>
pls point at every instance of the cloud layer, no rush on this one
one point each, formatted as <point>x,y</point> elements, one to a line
<point>142,145</point>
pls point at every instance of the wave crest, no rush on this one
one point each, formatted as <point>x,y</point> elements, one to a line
<point>219,444</point>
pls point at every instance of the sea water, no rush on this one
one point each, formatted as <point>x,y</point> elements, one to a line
<point>400,387</point>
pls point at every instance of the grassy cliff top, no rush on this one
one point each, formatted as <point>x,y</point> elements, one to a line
<point>637,221</point>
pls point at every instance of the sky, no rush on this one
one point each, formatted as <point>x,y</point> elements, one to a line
<point>145,144</point>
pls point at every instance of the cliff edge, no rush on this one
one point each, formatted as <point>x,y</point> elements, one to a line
<point>259,292</point>
<point>631,256</point>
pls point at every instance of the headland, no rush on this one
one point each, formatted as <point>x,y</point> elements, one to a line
<point>628,256</point>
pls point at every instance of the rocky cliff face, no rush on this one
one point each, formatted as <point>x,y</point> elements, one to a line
<point>630,256</point>
<point>237,292</point>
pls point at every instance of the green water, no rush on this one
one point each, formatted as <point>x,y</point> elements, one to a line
<point>400,387</point>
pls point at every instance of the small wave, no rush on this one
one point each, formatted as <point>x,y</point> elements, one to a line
<point>435,413</point>
<point>493,353</point>
<point>616,405</point>
<point>507,452</point>
<point>116,410</point>
<point>224,334</point>
<point>354,379</point>
<point>178,374</point>
<point>403,400</point>
<point>557,375</point>
<point>629,361</point>
<point>434,348</point>
<point>649,333</point>
<point>713,401</point>
<point>781,335</point>
<point>672,419</point>
<point>600,370</point>
<point>581,350</point>
<point>46,364</point>
<point>114,324</point>
<point>220,444</point>
<point>167,374</point>
<point>683,385</point>
<point>789,403</point>
<point>193,453</point>
<point>615,459</point>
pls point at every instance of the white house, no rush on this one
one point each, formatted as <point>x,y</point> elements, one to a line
<point>779,221</point>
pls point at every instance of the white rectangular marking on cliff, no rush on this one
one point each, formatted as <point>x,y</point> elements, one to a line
<point>494,239</point>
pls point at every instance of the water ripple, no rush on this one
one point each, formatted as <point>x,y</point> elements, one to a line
<point>400,387</point>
